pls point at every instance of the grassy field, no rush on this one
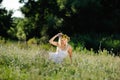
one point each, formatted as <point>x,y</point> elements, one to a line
<point>22,62</point>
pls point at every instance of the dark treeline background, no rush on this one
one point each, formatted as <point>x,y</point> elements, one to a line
<point>45,18</point>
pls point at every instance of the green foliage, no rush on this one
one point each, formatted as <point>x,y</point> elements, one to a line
<point>21,29</point>
<point>33,64</point>
<point>112,44</point>
<point>21,34</point>
<point>97,42</point>
<point>32,41</point>
<point>47,17</point>
<point>2,40</point>
<point>5,21</point>
<point>11,73</point>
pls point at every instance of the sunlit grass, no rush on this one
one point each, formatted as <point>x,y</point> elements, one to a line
<point>23,62</point>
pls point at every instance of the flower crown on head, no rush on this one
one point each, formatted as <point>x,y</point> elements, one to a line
<point>65,36</point>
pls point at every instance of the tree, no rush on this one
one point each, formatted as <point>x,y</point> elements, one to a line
<point>5,21</point>
<point>43,15</point>
<point>51,16</point>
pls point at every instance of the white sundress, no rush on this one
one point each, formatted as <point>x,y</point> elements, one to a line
<point>59,55</point>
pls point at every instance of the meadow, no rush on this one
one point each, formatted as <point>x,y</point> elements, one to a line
<point>19,61</point>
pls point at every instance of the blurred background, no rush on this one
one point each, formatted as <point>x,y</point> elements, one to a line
<point>91,24</point>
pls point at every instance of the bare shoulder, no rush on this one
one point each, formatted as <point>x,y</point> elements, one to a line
<point>69,47</point>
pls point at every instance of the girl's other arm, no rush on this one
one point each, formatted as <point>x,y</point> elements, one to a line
<point>70,53</point>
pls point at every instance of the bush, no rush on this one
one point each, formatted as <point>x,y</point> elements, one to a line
<point>112,45</point>
<point>2,40</point>
<point>98,42</point>
<point>32,41</point>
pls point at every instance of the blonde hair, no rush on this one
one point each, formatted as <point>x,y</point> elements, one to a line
<point>63,36</point>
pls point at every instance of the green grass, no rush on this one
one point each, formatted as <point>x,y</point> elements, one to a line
<point>22,62</point>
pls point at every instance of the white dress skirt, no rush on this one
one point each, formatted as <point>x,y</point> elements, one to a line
<point>58,56</point>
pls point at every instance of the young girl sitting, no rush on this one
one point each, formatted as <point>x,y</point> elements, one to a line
<point>63,48</point>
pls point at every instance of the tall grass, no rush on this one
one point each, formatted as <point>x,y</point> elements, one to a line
<point>22,62</point>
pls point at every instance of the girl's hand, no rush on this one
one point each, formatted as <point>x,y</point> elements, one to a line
<point>59,34</point>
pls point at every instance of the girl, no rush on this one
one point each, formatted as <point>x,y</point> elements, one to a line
<point>63,48</point>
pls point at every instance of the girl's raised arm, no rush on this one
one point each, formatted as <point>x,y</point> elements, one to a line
<point>51,41</point>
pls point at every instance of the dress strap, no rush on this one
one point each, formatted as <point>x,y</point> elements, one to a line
<point>66,48</point>
<point>57,49</point>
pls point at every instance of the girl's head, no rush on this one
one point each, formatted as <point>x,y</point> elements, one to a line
<point>64,39</point>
